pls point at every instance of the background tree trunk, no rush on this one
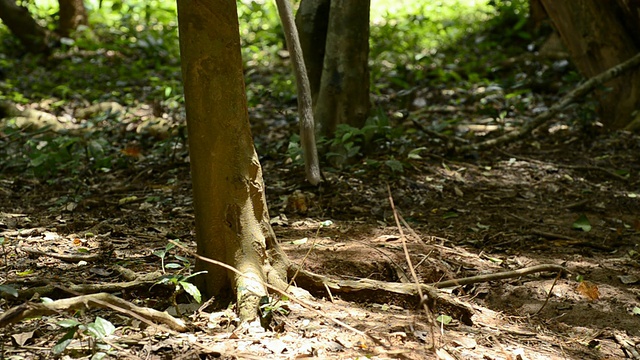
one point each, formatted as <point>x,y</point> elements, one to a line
<point>72,14</point>
<point>231,214</point>
<point>33,37</point>
<point>596,36</point>
<point>312,21</point>
<point>344,89</point>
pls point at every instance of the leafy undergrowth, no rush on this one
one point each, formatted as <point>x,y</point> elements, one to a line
<point>116,184</point>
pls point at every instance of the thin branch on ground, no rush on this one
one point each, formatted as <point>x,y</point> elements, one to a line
<point>71,258</point>
<point>47,290</point>
<point>548,294</point>
<point>567,100</point>
<point>501,275</point>
<point>100,300</point>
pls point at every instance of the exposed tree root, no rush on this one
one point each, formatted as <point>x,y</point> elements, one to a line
<point>100,300</point>
<point>374,290</point>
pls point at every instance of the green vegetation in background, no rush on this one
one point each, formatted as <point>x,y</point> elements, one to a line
<point>130,54</point>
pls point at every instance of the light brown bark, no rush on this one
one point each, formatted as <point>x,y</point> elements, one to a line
<point>344,90</point>
<point>72,14</point>
<point>597,40</point>
<point>231,215</point>
<point>305,104</point>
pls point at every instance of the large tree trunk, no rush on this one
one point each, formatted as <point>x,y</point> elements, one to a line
<point>344,90</point>
<point>312,21</point>
<point>597,38</point>
<point>34,37</point>
<point>72,14</point>
<point>231,214</point>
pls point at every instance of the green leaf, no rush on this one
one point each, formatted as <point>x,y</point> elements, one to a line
<point>173,266</point>
<point>101,328</point>
<point>636,310</point>
<point>582,224</point>
<point>68,323</point>
<point>195,274</point>
<point>99,356</point>
<point>8,289</point>
<point>450,214</point>
<point>192,290</point>
<point>444,319</point>
<point>59,347</point>
<point>415,153</point>
<point>394,165</point>
<point>25,273</point>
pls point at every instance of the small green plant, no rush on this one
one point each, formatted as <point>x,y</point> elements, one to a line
<point>181,263</point>
<point>95,332</point>
<point>179,281</point>
<point>269,307</point>
<point>181,284</point>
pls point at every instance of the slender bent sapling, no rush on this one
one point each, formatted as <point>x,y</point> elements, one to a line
<point>305,110</point>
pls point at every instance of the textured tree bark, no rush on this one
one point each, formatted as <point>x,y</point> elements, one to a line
<point>305,103</point>
<point>72,14</point>
<point>312,21</point>
<point>344,89</point>
<point>34,37</point>
<point>597,39</point>
<point>230,208</point>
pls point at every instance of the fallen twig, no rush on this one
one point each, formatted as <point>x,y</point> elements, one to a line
<point>501,275</point>
<point>83,288</point>
<point>101,300</point>
<point>72,258</point>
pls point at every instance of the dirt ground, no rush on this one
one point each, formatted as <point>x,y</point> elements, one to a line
<point>488,213</point>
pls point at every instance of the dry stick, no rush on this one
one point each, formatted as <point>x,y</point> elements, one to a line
<point>103,300</point>
<point>63,257</point>
<point>280,292</point>
<point>313,244</point>
<point>549,294</point>
<point>413,270</point>
<point>569,98</point>
<point>501,275</point>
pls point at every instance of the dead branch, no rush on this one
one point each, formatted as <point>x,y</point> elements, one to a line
<point>567,100</point>
<point>501,275</point>
<point>101,300</point>
<point>47,290</point>
<point>73,258</point>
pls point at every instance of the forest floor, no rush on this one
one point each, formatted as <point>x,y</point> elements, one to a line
<point>498,211</point>
<point>92,206</point>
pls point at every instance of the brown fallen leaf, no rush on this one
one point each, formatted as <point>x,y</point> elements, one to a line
<point>590,290</point>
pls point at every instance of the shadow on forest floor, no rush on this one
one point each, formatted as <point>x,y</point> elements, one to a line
<point>503,210</point>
